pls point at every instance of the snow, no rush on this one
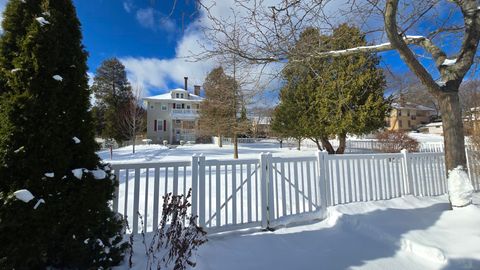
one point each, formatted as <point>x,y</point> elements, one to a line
<point>156,152</point>
<point>76,140</point>
<point>78,173</point>
<point>99,174</point>
<point>449,62</point>
<point>426,138</point>
<point>404,233</point>
<point>23,195</point>
<point>460,187</point>
<point>414,36</point>
<point>57,78</point>
<point>38,203</point>
<point>19,150</point>
<point>42,21</point>
<point>50,175</point>
<point>441,83</point>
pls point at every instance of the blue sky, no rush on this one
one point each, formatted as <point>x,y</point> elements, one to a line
<point>133,29</point>
<point>153,44</point>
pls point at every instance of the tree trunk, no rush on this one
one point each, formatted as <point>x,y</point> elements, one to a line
<point>220,141</point>
<point>133,146</point>
<point>299,143</point>
<point>453,133</point>
<point>317,142</point>
<point>343,144</point>
<point>281,143</point>
<point>235,146</point>
<point>327,145</point>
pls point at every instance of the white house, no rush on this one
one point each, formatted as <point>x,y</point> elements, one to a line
<point>173,116</point>
<point>432,128</point>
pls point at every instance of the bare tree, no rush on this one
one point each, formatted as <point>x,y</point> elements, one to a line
<point>132,121</point>
<point>269,31</point>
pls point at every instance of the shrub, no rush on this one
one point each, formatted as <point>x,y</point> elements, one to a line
<point>176,237</point>
<point>394,141</point>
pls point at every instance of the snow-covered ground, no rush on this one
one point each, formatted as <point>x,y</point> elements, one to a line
<point>403,233</point>
<point>153,153</point>
<point>426,138</point>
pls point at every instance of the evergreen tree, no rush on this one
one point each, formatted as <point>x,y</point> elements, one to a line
<point>337,96</point>
<point>113,93</point>
<point>47,146</point>
<point>218,115</point>
<point>285,120</point>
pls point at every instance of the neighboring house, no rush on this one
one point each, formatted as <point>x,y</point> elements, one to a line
<point>408,116</point>
<point>432,128</point>
<point>472,120</point>
<point>260,126</point>
<point>173,116</point>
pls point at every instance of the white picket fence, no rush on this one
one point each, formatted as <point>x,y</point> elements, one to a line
<point>270,191</point>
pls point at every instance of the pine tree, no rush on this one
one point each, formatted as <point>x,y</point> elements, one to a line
<point>285,120</point>
<point>113,93</point>
<point>47,146</point>
<point>218,115</point>
<point>338,96</point>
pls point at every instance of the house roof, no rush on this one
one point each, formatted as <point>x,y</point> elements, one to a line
<point>434,124</point>
<point>412,106</point>
<point>168,96</point>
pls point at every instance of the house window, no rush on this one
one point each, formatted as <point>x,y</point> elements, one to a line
<point>183,106</point>
<point>159,125</point>
<point>408,112</point>
<point>414,117</point>
<point>178,106</point>
<point>188,107</point>
<point>400,123</point>
<point>409,124</point>
<point>177,95</point>
<point>399,112</point>
<point>164,107</point>
<point>181,95</point>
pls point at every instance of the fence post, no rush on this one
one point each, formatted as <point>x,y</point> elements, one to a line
<point>267,192</point>
<point>468,164</point>
<point>201,190</point>
<point>407,172</point>
<point>194,185</point>
<point>323,184</point>
<point>270,191</point>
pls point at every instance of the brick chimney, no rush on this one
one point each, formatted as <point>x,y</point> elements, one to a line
<point>186,82</point>
<point>196,90</point>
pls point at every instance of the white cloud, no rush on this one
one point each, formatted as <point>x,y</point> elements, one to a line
<point>146,17</point>
<point>154,20</point>
<point>128,6</point>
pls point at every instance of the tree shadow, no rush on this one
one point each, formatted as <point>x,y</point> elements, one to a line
<point>462,263</point>
<point>351,242</point>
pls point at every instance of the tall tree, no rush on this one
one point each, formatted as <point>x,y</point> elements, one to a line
<point>219,113</point>
<point>47,146</point>
<point>113,94</point>
<point>133,117</point>
<point>337,97</point>
<point>285,117</point>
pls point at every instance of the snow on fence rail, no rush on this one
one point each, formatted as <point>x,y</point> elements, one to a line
<point>271,191</point>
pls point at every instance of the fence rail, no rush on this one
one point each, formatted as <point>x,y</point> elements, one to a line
<point>270,191</point>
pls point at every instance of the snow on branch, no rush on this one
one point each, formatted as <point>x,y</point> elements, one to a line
<point>410,40</point>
